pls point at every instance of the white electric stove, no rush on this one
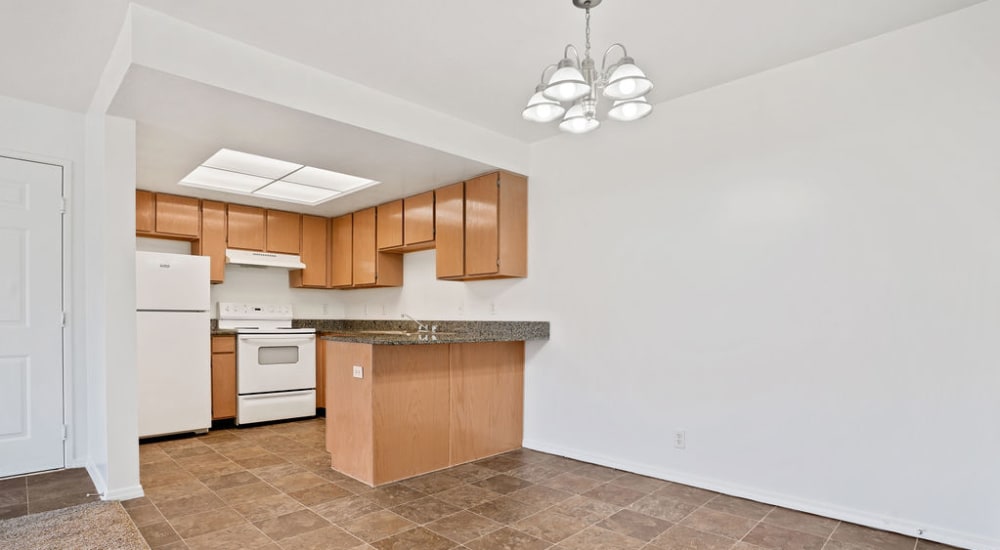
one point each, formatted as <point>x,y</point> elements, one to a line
<point>275,363</point>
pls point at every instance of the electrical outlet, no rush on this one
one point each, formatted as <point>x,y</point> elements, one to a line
<point>359,371</point>
<point>680,439</point>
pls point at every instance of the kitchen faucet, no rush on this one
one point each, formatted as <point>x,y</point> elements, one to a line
<point>420,326</point>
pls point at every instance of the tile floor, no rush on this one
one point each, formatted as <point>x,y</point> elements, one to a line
<point>43,492</point>
<point>272,487</point>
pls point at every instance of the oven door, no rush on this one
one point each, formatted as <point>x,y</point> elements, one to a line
<point>275,362</point>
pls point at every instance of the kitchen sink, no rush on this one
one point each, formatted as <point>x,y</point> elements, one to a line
<point>392,333</point>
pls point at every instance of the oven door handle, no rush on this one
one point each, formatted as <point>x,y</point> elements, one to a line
<point>276,341</point>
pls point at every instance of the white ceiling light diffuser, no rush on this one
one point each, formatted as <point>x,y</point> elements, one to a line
<point>577,84</point>
<point>246,174</point>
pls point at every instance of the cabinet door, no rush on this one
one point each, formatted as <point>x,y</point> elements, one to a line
<point>223,377</point>
<point>145,213</point>
<point>341,251</point>
<point>245,226</point>
<point>213,237</point>
<point>320,373</point>
<point>283,232</point>
<point>389,221</point>
<point>482,238</point>
<point>315,252</point>
<point>418,220</point>
<point>177,215</point>
<point>449,204</point>
<point>364,247</point>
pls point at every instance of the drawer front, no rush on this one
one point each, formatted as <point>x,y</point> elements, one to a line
<point>223,344</point>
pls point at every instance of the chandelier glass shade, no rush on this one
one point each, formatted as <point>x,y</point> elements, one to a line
<point>572,89</point>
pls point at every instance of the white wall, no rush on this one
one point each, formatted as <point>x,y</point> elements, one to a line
<point>109,266</point>
<point>801,270</point>
<point>43,133</point>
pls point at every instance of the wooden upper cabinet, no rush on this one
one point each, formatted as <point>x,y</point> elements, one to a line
<point>167,216</point>
<point>493,217</point>
<point>315,254</point>
<point>418,221</point>
<point>284,232</point>
<point>245,227</point>
<point>364,247</point>
<point>213,238</point>
<point>406,225</point>
<point>482,232</point>
<point>389,218</point>
<point>371,267</point>
<point>341,251</point>
<point>449,203</point>
<point>145,211</point>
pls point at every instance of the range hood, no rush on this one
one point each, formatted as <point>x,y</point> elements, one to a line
<point>263,259</point>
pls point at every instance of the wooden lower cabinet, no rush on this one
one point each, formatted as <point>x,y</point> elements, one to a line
<point>223,377</point>
<point>421,408</point>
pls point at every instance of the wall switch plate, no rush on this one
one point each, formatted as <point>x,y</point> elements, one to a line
<point>680,439</point>
<point>359,371</point>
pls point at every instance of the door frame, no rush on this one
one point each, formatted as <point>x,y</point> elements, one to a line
<point>69,419</point>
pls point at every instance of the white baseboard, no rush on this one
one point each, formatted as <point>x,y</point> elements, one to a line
<point>125,493</point>
<point>95,475</point>
<point>913,529</point>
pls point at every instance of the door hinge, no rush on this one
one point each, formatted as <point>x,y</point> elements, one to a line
<point>65,432</point>
<point>62,205</point>
<point>62,319</point>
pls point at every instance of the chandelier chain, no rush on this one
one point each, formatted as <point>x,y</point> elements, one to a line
<point>587,48</point>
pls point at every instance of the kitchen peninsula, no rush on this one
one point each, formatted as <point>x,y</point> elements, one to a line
<point>402,402</point>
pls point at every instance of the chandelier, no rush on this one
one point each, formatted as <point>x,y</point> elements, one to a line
<point>577,83</point>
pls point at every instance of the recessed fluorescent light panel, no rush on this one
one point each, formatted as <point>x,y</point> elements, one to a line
<point>235,172</point>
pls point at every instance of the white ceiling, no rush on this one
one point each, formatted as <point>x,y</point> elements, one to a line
<point>477,61</point>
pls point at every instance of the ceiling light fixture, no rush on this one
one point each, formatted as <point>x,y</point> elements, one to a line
<point>577,83</point>
<point>246,174</point>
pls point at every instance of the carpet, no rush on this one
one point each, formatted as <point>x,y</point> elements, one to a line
<point>92,526</point>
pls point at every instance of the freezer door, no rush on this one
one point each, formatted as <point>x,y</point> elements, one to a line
<point>175,282</point>
<point>174,366</point>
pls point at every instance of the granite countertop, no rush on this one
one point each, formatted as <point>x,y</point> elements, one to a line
<point>404,332</point>
<point>448,332</point>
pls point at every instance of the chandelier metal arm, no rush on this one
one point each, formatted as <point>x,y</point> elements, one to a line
<point>576,53</point>
<point>604,61</point>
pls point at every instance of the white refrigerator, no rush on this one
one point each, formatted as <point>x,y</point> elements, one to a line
<point>173,344</point>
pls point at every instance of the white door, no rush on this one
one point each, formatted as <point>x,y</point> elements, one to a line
<point>31,344</point>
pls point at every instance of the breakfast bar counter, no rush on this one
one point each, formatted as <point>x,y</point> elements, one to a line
<point>396,411</point>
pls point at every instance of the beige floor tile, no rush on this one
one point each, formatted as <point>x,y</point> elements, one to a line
<point>594,538</point>
<point>463,526</point>
<point>327,538</point>
<point>883,540</point>
<point>289,525</point>
<point>719,523</point>
<point>377,525</point>
<point>415,539</point>
<point>346,508</point>
<point>613,494</point>
<point>507,539</point>
<point>193,525</point>
<point>800,521</point>
<point>663,507</point>
<point>686,494</point>
<point>425,510</point>
<point>679,537</point>
<point>550,526</point>
<point>635,525</point>
<point>267,507</point>
<point>506,509</point>
<point>779,538</point>
<point>586,509</point>
<point>739,507</point>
